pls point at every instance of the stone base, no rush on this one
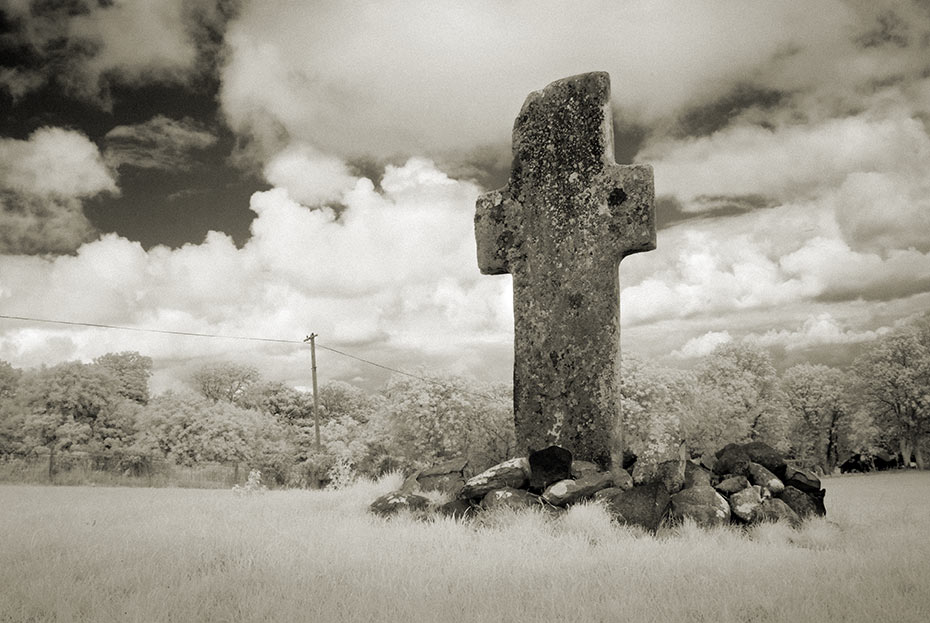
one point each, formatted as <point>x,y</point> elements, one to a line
<point>737,490</point>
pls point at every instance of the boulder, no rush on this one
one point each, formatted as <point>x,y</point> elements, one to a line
<point>642,505</point>
<point>397,501</point>
<point>802,479</point>
<point>746,505</point>
<point>804,504</point>
<point>731,460</point>
<point>671,474</point>
<point>731,485</point>
<point>708,461</point>
<point>696,476</point>
<point>458,509</point>
<point>759,475</point>
<point>512,473</point>
<point>447,477</point>
<point>569,491</point>
<point>548,466</point>
<point>628,460</point>
<point>621,478</point>
<point>702,504</point>
<point>766,456</point>
<point>508,497</point>
<point>583,468</point>
<point>776,510</point>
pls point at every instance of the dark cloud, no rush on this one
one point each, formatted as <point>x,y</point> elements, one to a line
<point>718,114</point>
<point>670,211</point>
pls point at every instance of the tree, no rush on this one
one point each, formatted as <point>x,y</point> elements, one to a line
<point>9,380</point>
<point>653,403</point>
<point>224,381</point>
<point>66,404</point>
<point>894,378</point>
<point>738,387</point>
<point>816,398</point>
<point>434,418</point>
<point>132,372</point>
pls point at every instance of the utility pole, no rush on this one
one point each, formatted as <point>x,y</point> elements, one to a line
<point>316,396</point>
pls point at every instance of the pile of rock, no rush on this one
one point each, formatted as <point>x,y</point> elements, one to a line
<point>741,483</point>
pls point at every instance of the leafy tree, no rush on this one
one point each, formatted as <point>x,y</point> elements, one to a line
<point>432,419</point>
<point>225,381</point>
<point>9,380</point>
<point>894,377</point>
<point>653,404</point>
<point>11,410</point>
<point>816,398</point>
<point>67,403</point>
<point>132,372</point>
<point>738,388</point>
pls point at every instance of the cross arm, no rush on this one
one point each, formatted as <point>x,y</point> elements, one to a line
<point>492,232</point>
<point>631,203</point>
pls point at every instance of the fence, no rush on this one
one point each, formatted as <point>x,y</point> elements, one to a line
<point>82,468</point>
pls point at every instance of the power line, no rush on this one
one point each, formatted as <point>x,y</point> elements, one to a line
<point>235,337</point>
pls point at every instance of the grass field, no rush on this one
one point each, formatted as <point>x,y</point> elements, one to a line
<point>119,554</point>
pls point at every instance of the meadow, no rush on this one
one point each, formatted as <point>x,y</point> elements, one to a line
<point>138,554</point>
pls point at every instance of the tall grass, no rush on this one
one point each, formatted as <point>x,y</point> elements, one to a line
<point>99,554</point>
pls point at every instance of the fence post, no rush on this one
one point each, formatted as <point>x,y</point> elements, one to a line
<point>236,473</point>
<point>51,464</point>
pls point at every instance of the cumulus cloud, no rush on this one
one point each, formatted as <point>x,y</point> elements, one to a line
<point>395,275</point>
<point>819,330</point>
<point>43,180</point>
<point>159,143</point>
<point>309,176</point>
<point>702,345</point>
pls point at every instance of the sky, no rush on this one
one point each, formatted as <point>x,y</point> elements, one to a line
<point>274,168</point>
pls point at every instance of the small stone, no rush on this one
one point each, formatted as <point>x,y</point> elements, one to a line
<point>583,468</point>
<point>447,477</point>
<point>804,504</point>
<point>548,466</point>
<point>508,497</point>
<point>621,478</point>
<point>776,510</point>
<point>759,475</point>
<point>643,505</point>
<point>458,509</point>
<point>746,505</point>
<point>671,474</point>
<point>702,504</point>
<point>708,461</point>
<point>696,476</point>
<point>731,460</point>
<point>802,479</point>
<point>396,501</point>
<point>569,491</point>
<point>766,456</point>
<point>731,485</point>
<point>512,473</point>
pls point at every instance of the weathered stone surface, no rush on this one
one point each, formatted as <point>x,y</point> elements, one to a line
<point>708,461</point>
<point>548,466</point>
<point>643,505</point>
<point>622,479</point>
<point>746,505</point>
<point>732,485</point>
<point>570,491</point>
<point>513,473</point>
<point>457,509</point>
<point>447,477</point>
<point>702,504</point>
<point>731,460</point>
<point>696,476</point>
<point>758,475</point>
<point>567,217</point>
<point>766,456</point>
<point>776,510</point>
<point>671,474</point>
<point>804,504</point>
<point>396,501</point>
<point>508,497</point>
<point>802,479</point>
<point>583,468</point>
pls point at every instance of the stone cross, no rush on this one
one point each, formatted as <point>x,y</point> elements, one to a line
<point>561,226</point>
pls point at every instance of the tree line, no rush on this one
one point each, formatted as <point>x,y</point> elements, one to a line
<point>816,414</point>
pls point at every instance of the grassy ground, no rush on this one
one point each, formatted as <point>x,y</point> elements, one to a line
<point>108,554</point>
